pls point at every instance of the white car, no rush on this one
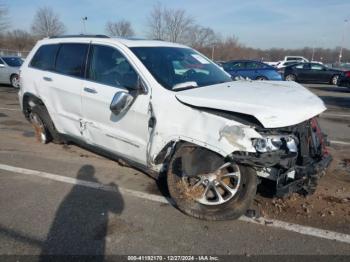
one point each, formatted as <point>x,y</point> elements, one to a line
<point>290,60</point>
<point>9,70</point>
<point>169,110</point>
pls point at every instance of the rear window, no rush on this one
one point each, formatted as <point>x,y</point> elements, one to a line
<point>71,59</point>
<point>44,58</point>
<point>13,61</point>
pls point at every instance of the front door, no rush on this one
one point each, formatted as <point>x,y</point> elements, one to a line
<point>126,134</point>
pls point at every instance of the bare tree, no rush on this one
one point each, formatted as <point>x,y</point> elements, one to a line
<point>121,28</point>
<point>19,40</point>
<point>47,23</point>
<point>177,24</point>
<point>3,18</point>
<point>169,24</point>
<point>156,23</point>
<point>199,37</point>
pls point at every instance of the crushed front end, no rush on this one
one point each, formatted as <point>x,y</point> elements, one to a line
<point>295,157</point>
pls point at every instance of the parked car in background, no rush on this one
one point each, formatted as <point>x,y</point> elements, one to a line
<point>290,60</point>
<point>344,79</point>
<point>311,72</point>
<point>9,70</point>
<point>254,70</point>
<point>300,59</point>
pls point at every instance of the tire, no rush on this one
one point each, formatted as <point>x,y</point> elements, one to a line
<point>192,160</point>
<point>14,81</point>
<point>290,77</point>
<point>261,78</point>
<point>44,128</point>
<point>334,80</point>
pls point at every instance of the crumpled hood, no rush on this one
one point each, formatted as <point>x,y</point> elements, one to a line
<point>273,103</point>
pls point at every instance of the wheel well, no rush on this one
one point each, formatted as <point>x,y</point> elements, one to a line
<point>12,75</point>
<point>29,100</point>
<point>165,155</point>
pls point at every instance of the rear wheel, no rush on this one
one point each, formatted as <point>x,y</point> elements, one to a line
<point>290,77</point>
<point>205,186</point>
<point>45,130</point>
<point>15,81</point>
<point>334,80</point>
<point>261,78</point>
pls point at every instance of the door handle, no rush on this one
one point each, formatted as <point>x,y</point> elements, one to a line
<point>90,90</point>
<point>48,79</point>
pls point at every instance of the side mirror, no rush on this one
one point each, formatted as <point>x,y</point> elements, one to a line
<point>2,65</point>
<point>120,102</point>
<point>135,85</point>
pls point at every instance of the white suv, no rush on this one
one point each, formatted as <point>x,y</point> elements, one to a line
<point>169,110</point>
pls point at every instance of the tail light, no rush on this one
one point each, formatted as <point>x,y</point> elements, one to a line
<point>347,74</point>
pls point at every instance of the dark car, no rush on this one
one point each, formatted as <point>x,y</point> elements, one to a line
<point>311,72</point>
<point>344,79</point>
<point>254,70</point>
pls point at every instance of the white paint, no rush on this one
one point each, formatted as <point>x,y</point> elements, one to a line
<point>339,142</point>
<point>74,181</point>
<point>304,230</point>
<point>334,115</point>
<point>9,109</point>
<point>273,103</point>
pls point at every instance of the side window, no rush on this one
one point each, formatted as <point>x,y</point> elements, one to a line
<point>44,58</point>
<point>71,59</point>
<point>235,66</point>
<point>255,65</point>
<point>316,67</point>
<point>108,66</point>
<point>1,62</point>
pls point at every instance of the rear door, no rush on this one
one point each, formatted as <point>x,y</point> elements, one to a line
<point>125,134</point>
<point>62,87</point>
<point>235,69</point>
<point>319,73</point>
<point>302,72</point>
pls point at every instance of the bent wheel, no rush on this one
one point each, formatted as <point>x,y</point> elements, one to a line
<point>205,186</point>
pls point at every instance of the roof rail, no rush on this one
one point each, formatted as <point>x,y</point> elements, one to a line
<point>81,35</point>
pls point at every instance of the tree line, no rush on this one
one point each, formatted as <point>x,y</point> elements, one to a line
<point>174,25</point>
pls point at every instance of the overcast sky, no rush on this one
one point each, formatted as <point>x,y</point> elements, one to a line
<point>257,23</point>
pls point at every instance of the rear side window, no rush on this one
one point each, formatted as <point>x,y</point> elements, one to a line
<point>256,65</point>
<point>71,59</point>
<point>234,66</point>
<point>44,58</point>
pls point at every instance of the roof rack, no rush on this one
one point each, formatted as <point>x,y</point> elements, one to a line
<point>81,35</point>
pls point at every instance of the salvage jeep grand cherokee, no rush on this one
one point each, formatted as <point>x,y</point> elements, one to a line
<point>169,110</point>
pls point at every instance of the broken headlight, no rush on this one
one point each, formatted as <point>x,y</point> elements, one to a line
<point>274,143</point>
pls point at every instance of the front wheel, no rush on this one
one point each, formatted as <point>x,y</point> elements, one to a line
<point>204,185</point>
<point>261,78</point>
<point>15,81</point>
<point>290,77</point>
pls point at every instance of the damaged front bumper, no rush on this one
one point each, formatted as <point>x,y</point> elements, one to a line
<point>293,171</point>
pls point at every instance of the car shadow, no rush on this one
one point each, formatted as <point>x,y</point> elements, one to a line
<point>343,102</point>
<point>81,221</point>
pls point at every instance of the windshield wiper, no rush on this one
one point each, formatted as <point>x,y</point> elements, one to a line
<point>184,85</point>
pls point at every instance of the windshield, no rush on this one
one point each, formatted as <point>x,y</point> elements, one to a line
<point>180,67</point>
<point>13,61</point>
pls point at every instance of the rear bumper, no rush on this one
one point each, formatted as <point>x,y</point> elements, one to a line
<point>343,82</point>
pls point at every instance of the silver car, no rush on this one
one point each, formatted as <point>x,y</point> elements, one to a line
<point>9,70</point>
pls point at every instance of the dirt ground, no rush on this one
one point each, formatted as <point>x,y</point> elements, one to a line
<point>328,207</point>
